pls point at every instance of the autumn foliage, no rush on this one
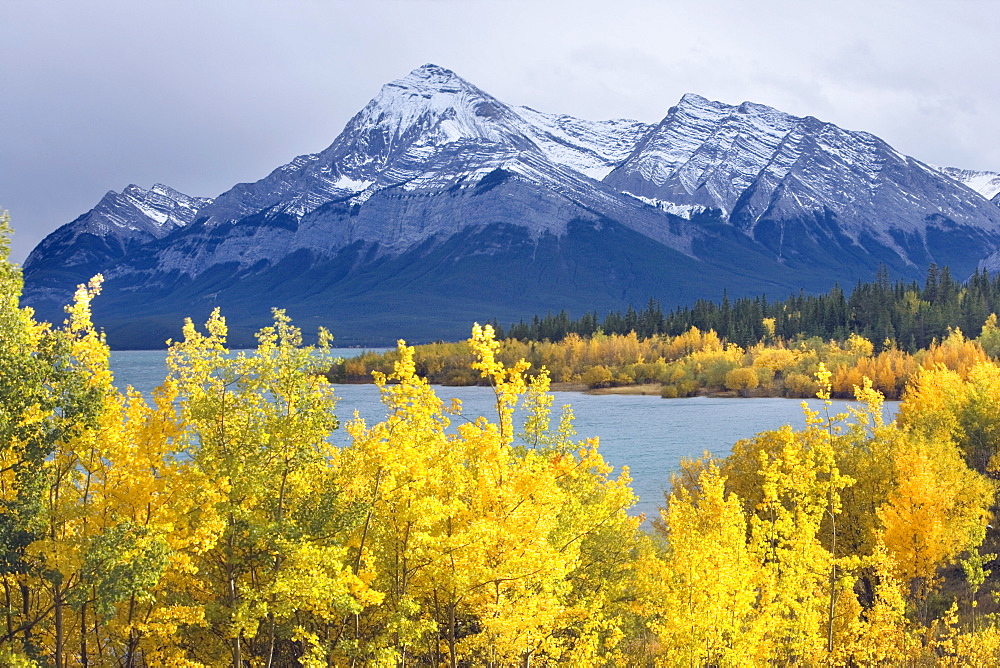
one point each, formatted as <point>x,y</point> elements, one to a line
<point>215,523</point>
<point>697,362</point>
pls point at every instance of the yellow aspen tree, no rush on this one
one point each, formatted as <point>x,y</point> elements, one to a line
<point>111,509</point>
<point>978,415</point>
<point>402,472</point>
<point>882,634</point>
<point>795,575</point>
<point>699,597</point>
<point>256,427</point>
<point>593,534</point>
<point>61,536</point>
<point>937,510</point>
<point>45,398</point>
<point>941,403</point>
<point>97,558</point>
<point>931,403</point>
<point>486,549</point>
<point>792,485</point>
<point>865,453</point>
<point>80,557</point>
<point>146,508</point>
<point>989,338</point>
<point>574,520</point>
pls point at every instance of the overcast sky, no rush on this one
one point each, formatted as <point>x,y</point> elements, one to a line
<point>203,94</point>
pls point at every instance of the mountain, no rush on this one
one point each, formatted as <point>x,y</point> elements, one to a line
<point>985,183</point>
<point>439,205</point>
<point>120,223</point>
<point>793,184</point>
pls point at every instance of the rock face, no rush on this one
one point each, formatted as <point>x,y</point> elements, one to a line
<point>789,182</point>
<point>439,205</point>
<point>986,184</point>
<point>119,224</point>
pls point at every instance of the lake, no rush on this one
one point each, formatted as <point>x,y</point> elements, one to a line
<point>648,434</point>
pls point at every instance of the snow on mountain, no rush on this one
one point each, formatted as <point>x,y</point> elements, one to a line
<point>985,183</point>
<point>135,215</point>
<point>426,132</point>
<point>157,211</point>
<point>742,193</point>
<point>432,129</point>
<point>592,148</point>
<point>394,140</point>
<point>754,163</point>
<point>97,240</point>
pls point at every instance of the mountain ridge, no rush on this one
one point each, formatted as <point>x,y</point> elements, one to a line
<point>721,194</point>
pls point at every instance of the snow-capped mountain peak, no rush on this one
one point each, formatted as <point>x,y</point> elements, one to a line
<point>985,183</point>
<point>433,105</point>
<point>117,224</point>
<point>156,211</point>
<point>435,170</point>
<point>396,138</point>
<point>753,163</point>
<point>163,205</point>
<point>433,129</point>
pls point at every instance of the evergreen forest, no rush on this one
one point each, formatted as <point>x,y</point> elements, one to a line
<point>896,314</point>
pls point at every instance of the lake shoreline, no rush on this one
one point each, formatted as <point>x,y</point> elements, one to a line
<point>645,390</point>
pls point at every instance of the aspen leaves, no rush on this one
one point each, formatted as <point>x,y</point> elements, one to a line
<point>216,523</point>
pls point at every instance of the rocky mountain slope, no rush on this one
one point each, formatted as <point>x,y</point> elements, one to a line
<point>439,204</point>
<point>985,183</point>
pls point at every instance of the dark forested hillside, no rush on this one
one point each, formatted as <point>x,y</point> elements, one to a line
<point>906,314</point>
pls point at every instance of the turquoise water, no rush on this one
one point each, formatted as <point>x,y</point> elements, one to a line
<point>648,434</point>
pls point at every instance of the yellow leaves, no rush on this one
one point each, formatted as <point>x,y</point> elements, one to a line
<point>937,510</point>
<point>742,379</point>
<point>12,658</point>
<point>778,359</point>
<point>823,379</point>
<point>859,345</point>
<point>989,338</point>
<point>314,655</point>
<point>464,525</point>
<point>932,401</point>
<point>34,415</point>
<point>508,383</point>
<point>219,515</point>
<point>873,400</point>
<point>954,352</point>
<point>769,325</point>
<point>702,594</point>
<point>87,346</point>
<point>315,577</point>
<point>881,634</point>
<point>942,403</point>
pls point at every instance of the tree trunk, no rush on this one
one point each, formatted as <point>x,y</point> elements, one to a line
<point>26,610</point>
<point>453,659</point>
<point>10,620</point>
<point>58,607</point>
<point>84,661</point>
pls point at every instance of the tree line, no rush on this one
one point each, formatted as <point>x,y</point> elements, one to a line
<point>905,315</point>
<point>696,362</point>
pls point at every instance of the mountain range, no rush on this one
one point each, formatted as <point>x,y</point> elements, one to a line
<point>439,205</point>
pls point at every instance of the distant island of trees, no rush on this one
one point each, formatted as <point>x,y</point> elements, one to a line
<point>745,347</point>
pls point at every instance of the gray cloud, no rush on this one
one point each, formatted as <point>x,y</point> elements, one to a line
<point>201,95</point>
